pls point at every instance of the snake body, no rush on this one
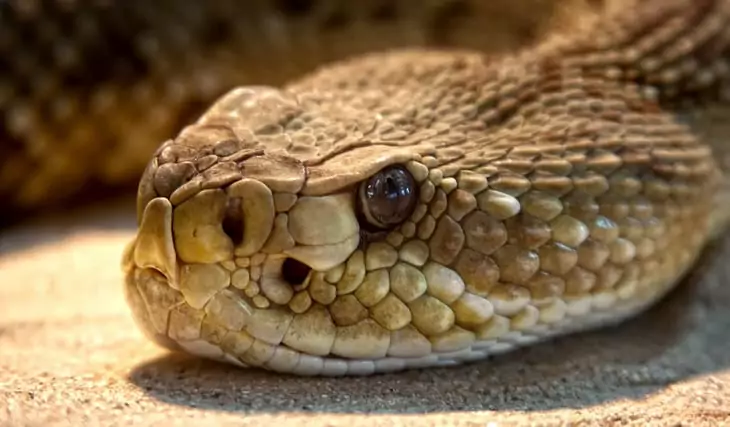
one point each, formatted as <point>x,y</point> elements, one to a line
<point>89,89</point>
<point>531,194</point>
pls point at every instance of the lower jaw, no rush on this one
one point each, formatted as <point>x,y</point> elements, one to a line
<point>282,359</point>
<point>185,329</point>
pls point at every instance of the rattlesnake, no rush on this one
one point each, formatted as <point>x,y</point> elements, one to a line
<point>427,207</point>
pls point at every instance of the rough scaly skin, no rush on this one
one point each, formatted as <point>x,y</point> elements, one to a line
<point>559,190</point>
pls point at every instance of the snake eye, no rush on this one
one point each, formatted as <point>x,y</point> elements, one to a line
<point>387,198</point>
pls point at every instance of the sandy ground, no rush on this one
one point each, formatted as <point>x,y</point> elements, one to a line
<point>71,355</point>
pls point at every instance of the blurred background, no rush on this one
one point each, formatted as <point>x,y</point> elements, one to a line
<point>89,88</point>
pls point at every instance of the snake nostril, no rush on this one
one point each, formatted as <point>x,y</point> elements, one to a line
<point>294,272</point>
<point>233,221</point>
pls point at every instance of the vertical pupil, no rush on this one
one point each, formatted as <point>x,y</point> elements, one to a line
<point>391,188</point>
<point>388,197</point>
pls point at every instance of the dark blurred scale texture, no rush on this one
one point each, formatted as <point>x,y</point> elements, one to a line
<point>89,88</point>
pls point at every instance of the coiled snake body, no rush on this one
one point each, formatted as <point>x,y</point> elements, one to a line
<point>424,207</point>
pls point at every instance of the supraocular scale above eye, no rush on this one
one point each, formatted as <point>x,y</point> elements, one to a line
<point>387,198</point>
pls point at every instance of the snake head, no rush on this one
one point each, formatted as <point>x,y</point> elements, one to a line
<point>266,245</point>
